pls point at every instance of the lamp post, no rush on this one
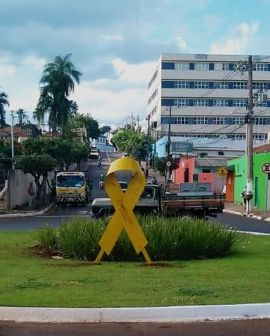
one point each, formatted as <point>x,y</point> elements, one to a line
<point>12,138</point>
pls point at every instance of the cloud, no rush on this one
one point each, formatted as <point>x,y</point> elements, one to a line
<point>112,100</point>
<point>181,43</point>
<point>239,40</point>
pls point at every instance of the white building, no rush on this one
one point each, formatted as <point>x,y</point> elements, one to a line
<point>207,96</point>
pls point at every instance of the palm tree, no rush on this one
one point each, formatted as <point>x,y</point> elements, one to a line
<point>3,102</point>
<point>22,116</point>
<point>57,82</point>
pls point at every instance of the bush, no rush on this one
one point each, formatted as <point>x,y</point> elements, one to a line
<point>47,238</point>
<point>168,239</point>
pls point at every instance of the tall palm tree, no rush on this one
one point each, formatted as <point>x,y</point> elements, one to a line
<point>3,102</point>
<point>57,82</point>
<point>22,116</point>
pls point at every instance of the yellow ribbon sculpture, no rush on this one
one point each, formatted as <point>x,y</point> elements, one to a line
<point>124,203</point>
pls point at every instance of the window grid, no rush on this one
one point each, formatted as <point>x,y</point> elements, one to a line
<point>220,102</point>
<point>181,84</point>
<point>239,102</point>
<point>200,102</point>
<point>260,67</point>
<point>180,102</point>
<point>201,85</point>
<point>201,66</point>
<point>181,66</point>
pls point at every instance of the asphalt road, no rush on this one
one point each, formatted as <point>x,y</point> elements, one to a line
<point>225,328</point>
<point>58,215</point>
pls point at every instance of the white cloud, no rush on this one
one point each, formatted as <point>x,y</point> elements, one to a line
<point>181,43</point>
<point>239,40</point>
<point>101,100</point>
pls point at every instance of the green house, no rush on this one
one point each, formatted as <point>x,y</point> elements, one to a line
<point>261,182</point>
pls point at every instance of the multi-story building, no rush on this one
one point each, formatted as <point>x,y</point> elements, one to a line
<point>206,96</point>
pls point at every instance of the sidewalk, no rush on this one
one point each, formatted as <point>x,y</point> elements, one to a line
<point>25,213</point>
<point>238,209</point>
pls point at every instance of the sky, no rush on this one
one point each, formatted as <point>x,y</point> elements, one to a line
<point>116,45</point>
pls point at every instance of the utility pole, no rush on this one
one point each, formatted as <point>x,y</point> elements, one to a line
<point>249,139</point>
<point>168,162</point>
<point>148,138</point>
<point>249,120</point>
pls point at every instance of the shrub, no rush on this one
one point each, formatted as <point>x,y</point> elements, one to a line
<point>168,239</point>
<point>78,238</point>
<point>47,238</point>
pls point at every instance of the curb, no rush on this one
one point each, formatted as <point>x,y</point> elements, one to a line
<point>26,214</point>
<point>158,314</point>
<point>242,214</point>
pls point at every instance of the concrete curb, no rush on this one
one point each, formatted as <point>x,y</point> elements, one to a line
<point>147,314</point>
<point>242,214</point>
<point>26,214</point>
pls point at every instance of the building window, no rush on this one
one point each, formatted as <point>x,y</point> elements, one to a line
<point>239,102</point>
<point>200,102</point>
<point>218,66</point>
<point>181,84</point>
<point>220,153</point>
<point>239,85</point>
<point>259,86</point>
<point>201,66</point>
<point>220,102</point>
<point>201,85</point>
<point>226,66</point>
<point>180,102</point>
<point>218,121</point>
<point>260,67</point>
<point>181,66</point>
<point>182,120</point>
<point>221,85</point>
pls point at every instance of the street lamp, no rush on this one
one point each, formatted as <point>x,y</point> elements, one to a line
<point>12,138</point>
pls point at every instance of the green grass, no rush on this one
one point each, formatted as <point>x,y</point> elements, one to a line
<point>30,280</point>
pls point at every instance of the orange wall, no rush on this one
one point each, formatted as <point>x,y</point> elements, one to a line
<point>179,175</point>
<point>208,178</point>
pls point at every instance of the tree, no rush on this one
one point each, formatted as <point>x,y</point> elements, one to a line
<point>78,121</point>
<point>38,166</point>
<point>22,116</point>
<point>57,82</point>
<point>3,102</point>
<point>105,129</point>
<point>65,152</point>
<point>134,142</point>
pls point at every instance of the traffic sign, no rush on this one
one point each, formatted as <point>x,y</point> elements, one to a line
<point>168,163</point>
<point>222,171</point>
<point>266,168</point>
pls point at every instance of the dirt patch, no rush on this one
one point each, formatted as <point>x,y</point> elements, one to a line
<point>39,250</point>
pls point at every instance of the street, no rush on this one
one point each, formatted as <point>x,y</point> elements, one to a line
<point>223,328</point>
<point>57,215</point>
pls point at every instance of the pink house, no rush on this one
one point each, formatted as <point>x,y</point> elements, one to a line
<point>195,169</point>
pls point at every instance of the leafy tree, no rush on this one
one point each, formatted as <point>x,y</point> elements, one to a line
<point>79,120</point>
<point>57,82</point>
<point>63,151</point>
<point>3,102</point>
<point>105,129</point>
<point>134,142</point>
<point>38,166</point>
<point>5,149</point>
